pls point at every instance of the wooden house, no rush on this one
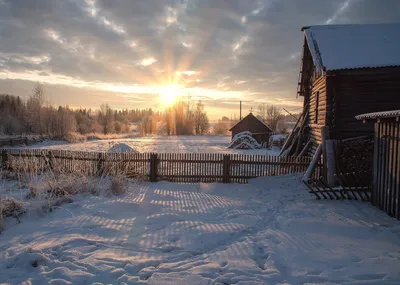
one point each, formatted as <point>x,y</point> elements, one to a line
<point>260,131</point>
<point>386,163</point>
<point>346,70</point>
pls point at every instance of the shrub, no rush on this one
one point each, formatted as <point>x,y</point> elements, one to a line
<point>118,185</point>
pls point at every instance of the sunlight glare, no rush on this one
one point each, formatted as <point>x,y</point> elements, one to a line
<point>168,95</point>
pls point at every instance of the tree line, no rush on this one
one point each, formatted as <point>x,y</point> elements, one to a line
<point>37,116</point>
<point>184,117</point>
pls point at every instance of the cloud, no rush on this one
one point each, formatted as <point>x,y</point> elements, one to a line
<point>218,51</point>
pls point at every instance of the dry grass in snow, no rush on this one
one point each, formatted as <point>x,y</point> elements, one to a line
<point>46,190</point>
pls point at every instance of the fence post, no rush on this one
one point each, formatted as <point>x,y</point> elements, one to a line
<point>225,168</point>
<point>99,164</point>
<point>4,158</point>
<point>50,159</point>
<point>153,167</point>
<point>26,141</point>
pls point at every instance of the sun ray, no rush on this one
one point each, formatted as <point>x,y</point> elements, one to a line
<point>168,95</point>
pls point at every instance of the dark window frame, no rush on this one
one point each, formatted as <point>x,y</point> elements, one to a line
<point>316,107</point>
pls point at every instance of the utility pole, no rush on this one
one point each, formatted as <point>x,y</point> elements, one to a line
<point>240,110</point>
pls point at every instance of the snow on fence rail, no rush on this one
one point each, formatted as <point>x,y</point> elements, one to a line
<point>176,167</point>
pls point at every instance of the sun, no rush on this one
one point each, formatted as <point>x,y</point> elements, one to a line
<point>168,95</point>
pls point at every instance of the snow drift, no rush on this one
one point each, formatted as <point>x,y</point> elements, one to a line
<point>270,231</point>
<point>121,147</point>
<point>244,140</point>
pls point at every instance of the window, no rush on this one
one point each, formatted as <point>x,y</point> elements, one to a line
<point>316,107</point>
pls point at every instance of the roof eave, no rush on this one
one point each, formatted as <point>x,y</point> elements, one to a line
<point>379,115</point>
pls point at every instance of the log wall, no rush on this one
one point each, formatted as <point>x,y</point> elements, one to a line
<point>310,100</point>
<point>358,92</point>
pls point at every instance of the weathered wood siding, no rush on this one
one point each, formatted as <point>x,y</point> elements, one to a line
<point>386,185</point>
<point>310,101</point>
<point>361,91</point>
<point>318,87</point>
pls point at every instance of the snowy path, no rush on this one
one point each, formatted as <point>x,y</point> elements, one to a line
<point>170,144</point>
<point>270,231</point>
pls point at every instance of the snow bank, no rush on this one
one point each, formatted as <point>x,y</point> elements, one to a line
<point>270,231</point>
<point>277,140</point>
<point>121,147</point>
<point>244,140</point>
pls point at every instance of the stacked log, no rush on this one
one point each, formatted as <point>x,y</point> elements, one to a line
<point>356,155</point>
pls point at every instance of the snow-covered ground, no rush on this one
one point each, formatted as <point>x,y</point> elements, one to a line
<point>270,231</point>
<point>170,144</point>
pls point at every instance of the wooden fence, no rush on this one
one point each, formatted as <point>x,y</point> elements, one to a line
<point>14,141</point>
<point>386,185</point>
<point>353,186</point>
<point>176,167</point>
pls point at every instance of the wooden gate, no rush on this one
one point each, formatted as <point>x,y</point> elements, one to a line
<point>386,185</point>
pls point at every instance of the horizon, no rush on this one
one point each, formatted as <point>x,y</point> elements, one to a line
<point>144,54</point>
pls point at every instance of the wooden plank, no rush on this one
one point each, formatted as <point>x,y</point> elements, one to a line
<point>390,173</point>
<point>313,165</point>
<point>397,170</point>
<point>330,163</point>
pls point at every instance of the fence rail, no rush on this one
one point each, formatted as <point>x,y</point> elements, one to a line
<point>14,141</point>
<point>353,186</point>
<point>176,167</point>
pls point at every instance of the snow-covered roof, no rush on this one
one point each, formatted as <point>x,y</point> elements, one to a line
<point>335,47</point>
<point>376,115</point>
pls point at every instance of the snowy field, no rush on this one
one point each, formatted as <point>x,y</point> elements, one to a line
<point>171,144</point>
<point>270,231</point>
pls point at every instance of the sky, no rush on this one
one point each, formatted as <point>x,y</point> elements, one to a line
<point>135,54</point>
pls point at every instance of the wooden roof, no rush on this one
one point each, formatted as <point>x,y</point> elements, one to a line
<point>250,115</point>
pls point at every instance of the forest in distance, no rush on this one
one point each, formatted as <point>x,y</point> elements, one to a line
<point>183,117</point>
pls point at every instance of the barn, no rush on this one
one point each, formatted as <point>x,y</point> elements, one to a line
<point>260,131</point>
<point>346,70</point>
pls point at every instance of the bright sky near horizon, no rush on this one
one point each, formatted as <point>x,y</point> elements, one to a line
<point>141,54</point>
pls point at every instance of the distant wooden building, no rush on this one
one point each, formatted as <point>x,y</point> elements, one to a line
<point>260,131</point>
<point>386,173</point>
<point>346,70</point>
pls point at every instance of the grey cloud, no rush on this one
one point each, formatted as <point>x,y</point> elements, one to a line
<point>91,48</point>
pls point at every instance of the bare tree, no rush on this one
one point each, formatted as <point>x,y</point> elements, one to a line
<point>220,128</point>
<point>262,111</point>
<point>106,119</point>
<point>270,114</point>
<point>34,107</point>
<point>66,121</point>
<point>201,123</point>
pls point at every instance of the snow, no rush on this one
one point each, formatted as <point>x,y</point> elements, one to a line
<point>279,137</point>
<point>354,46</point>
<point>244,140</point>
<point>376,115</point>
<point>277,140</point>
<point>121,147</point>
<point>270,231</point>
<point>158,144</point>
